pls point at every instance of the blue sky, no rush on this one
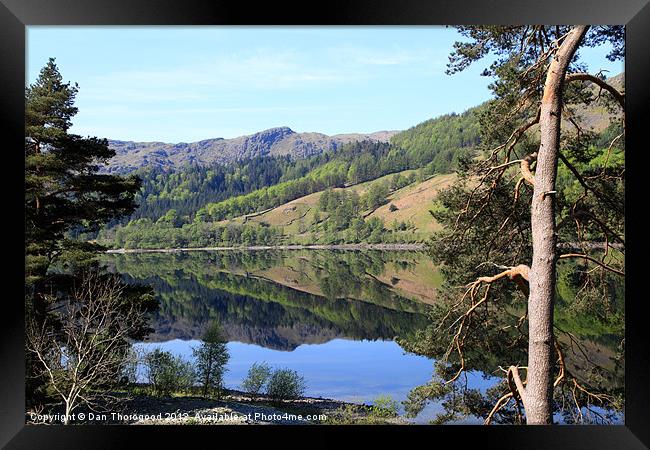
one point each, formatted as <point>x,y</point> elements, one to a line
<point>182,84</point>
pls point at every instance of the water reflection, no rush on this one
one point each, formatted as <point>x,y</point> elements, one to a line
<point>330,315</point>
<point>283,300</point>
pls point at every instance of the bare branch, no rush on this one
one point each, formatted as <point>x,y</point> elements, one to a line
<point>501,403</point>
<point>620,97</point>
<point>595,261</point>
<point>513,374</point>
<point>87,352</point>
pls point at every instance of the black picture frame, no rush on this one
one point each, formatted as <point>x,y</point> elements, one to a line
<point>15,15</point>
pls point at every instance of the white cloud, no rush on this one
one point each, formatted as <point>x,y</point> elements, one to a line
<point>221,77</point>
<point>122,110</point>
<point>258,70</point>
<point>393,56</point>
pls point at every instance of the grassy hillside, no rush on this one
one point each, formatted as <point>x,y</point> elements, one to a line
<point>413,203</point>
<point>290,214</point>
<point>301,220</point>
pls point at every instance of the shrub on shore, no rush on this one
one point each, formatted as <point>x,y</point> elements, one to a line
<point>257,377</point>
<point>168,373</point>
<point>384,406</point>
<point>285,384</point>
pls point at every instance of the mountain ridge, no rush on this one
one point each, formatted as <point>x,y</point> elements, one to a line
<point>131,155</point>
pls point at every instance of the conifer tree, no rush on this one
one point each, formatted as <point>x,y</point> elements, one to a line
<point>65,194</point>
<point>63,190</point>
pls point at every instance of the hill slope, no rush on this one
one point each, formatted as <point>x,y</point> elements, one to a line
<point>300,218</point>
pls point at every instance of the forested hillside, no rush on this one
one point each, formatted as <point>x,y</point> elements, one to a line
<point>363,191</point>
<point>206,201</point>
<point>189,189</point>
<point>437,142</point>
<point>433,146</point>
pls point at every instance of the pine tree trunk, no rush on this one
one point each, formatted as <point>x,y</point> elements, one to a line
<point>539,389</point>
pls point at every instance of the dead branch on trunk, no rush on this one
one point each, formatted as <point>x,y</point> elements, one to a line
<point>513,377</point>
<point>500,404</point>
<point>518,274</point>
<point>620,97</point>
<point>525,168</point>
<point>593,260</point>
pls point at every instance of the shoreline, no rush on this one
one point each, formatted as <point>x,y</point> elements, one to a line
<point>351,247</point>
<point>234,408</point>
<point>407,247</point>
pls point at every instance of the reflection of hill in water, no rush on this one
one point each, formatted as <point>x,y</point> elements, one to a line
<point>195,289</point>
<point>281,337</point>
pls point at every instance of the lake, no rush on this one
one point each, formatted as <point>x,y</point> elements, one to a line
<point>330,315</point>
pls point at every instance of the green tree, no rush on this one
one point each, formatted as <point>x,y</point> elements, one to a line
<point>397,181</point>
<point>384,406</point>
<point>376,228</point>
<point>63,191</point>
<point>376,195</point>
<point>211,359</point>
<point>171,218</point>
<point>285,384</point>
<point>257,377</point>
<point>167,373</point>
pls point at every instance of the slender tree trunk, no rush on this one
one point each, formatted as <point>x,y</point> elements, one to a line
<point>207,378</point>
<point>539,389</point>
<point>68,411</point>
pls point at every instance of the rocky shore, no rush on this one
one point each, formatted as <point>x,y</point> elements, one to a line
<point>234,408</point>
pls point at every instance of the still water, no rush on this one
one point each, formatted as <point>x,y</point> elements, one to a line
<point>332,316</point>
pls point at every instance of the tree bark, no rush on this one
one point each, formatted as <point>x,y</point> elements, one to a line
<point>207,377</point>
<point>68,411</point>
<point>539,390</point>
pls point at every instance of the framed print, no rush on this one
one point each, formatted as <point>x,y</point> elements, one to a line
<point>370,221</point>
